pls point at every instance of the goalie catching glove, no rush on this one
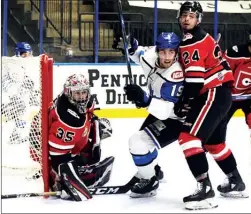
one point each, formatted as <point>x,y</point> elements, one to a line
<point>73,181</point>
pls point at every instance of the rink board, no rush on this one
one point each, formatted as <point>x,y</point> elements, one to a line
<point>107,81</point>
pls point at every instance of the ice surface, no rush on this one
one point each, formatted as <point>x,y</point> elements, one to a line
<point>179,180</point>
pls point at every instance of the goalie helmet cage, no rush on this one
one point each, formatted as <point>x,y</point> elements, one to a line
<point>27,90</point>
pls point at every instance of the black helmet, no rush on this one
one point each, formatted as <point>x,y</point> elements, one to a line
<point>191,7</point>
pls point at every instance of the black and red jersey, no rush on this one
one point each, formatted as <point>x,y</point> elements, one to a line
<point>68,129</point>
<point>202,61</point>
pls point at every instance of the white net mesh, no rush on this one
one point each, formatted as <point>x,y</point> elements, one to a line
<point>21,145</point>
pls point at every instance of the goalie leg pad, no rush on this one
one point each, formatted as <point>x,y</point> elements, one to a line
<point>97,174</point>
<point>71,181</point>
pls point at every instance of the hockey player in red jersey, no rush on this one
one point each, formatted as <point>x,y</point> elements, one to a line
<point>239,59</point>
<point>205,101</point>
<point>74,140</point>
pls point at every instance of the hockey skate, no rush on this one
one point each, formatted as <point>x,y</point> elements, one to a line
<point>202,198</point>
<point>233,187</point>
<point>145,188</point>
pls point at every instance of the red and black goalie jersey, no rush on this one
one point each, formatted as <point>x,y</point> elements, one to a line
<point>68,129</point>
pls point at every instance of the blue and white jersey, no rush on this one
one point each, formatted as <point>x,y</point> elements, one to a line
<point>164,85</point>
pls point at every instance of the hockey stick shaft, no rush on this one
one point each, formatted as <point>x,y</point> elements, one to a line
<point>122,23</point>
<point>105,190</point>
<point>218,37</point>
<point>28,195</point>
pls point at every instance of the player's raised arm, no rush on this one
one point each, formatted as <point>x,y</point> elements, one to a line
<point>135,50</point>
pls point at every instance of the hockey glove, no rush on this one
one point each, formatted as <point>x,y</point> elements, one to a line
<point>118,44</point>
<point>182,107</point>
<point>105,128</point>
<point>136,94</point>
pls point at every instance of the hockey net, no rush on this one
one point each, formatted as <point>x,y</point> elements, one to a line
<point>26,93</point>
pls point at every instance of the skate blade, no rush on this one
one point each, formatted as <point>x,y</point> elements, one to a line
<point>235,194</point>
<point>201,205</point>
<point>145,195</point>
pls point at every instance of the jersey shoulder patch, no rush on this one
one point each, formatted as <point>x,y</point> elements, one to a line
<point>190,39</point>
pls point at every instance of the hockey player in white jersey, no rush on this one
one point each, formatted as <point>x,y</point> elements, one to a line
<point>164,77</point>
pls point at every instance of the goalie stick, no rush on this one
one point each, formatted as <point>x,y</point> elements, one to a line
<point>105,190</point>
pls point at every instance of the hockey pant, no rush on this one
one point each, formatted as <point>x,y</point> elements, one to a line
<point>205,128</point>
<point>144,144</point>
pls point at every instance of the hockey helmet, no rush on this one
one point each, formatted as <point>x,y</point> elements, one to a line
<point>77,82</point>
<point>167,40</point>
<point>22,47</point>
<point>193,7</point>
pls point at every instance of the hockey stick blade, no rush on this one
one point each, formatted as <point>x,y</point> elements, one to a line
<point>28,195</point>
<point>105,190</point>
<point>108,190</point>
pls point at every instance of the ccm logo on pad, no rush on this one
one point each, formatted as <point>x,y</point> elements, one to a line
<point>177,75</point>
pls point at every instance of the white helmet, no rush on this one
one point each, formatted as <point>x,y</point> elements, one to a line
<point>77,82</point>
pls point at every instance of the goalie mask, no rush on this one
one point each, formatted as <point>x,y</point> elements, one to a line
<point>77,89</point>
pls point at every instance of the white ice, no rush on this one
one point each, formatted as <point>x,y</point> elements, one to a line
<point>179,180</point>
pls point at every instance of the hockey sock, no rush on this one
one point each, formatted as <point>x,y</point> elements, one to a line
<point>223,156</point>
<point>198,164</point>
<point>145,163</point>
<point>194,153</point>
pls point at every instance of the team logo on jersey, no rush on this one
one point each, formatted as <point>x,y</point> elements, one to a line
<point>177,75</point>
<point>220,76</point>
<point>243,80</point>
<point>187,36</point>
